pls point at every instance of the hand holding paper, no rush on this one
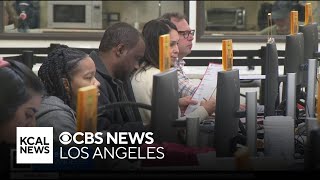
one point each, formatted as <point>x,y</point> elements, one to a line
<point>207,86</point>
<point>185,102</point>
<point>209,105</point>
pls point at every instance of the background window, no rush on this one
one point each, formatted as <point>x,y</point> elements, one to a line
<point>239,19</point>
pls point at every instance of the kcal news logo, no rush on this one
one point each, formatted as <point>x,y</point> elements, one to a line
<point>34,145</point>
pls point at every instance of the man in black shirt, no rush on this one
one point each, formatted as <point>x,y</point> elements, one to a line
<point>120,50</point>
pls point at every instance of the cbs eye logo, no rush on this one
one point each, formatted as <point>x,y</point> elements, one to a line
<point>65,138</point>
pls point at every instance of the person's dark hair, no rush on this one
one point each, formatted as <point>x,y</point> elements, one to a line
<point>19,84</point>
<point>61,63</point>
<point>175,15</point>
<point>168,23</point>
<point>119,33</point>
<point>151,32</point>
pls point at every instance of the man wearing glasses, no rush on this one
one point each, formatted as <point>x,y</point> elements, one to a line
<point>186,88</point>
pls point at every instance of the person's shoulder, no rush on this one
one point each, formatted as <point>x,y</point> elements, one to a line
<point>54,101</point>
<point>52,112</point>
<point>52,105</point>
<point>141,75</point>
<point>155,70</point>
<point>152,71</point>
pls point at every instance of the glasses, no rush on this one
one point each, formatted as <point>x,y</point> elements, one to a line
<point>186,34</point>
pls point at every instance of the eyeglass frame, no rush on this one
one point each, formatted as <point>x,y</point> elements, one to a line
<point>185,35</point>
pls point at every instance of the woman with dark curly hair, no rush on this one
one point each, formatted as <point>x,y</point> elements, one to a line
<point>63,73</point>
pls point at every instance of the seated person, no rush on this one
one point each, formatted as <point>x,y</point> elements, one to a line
<point>63,73</point>
<point>20,98</point>
<point>281,17</point>
<point>185,85</point>
<point>120,49</point>
<point>142,80</point>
